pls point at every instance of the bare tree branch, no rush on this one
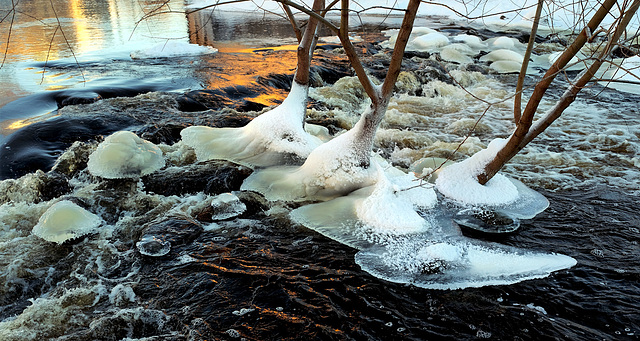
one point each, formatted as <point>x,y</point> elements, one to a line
<point>517,109</point>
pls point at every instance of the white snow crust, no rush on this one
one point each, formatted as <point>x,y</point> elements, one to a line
<point>458,181</point>
<point>374,213</point>
<point>125,155</point>
<point>269,139</point>
<point>65,220</point>
<point>173,48</point>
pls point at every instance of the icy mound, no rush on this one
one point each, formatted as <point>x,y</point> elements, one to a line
<point>458,181</point>
<point>501,195</point>
<point>457,53</point>
<point>173,48</point>
<point>457,262</point>
<point>428,42</point>
<point>627,76</point>
<point>274,138</point>
<point>125,155</point>
<point>371,214</point>
<point>331,170</point>
<point>65,220</point>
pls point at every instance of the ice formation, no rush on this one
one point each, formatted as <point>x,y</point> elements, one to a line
<point>501,195</point>
<point>227,205</point>
<point>153,246</point>
<point>65,220</point>
<point>125,155</point>
<point>331,170</point>
<point>458,181</point>
<point>373,213</point>
<point>428,42</point>
<point>457,262</point>
<point>629,71</point>
<point>173,48</point>
<point>274,138</point>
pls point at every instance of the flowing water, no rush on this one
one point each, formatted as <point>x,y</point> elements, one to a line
<point>168,265</point>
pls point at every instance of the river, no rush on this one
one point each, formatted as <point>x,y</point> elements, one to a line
<point>258,275</point>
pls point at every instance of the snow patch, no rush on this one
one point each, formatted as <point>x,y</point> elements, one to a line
<point>458,181</point>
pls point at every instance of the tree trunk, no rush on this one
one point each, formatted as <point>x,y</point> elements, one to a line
<point>304,48</point>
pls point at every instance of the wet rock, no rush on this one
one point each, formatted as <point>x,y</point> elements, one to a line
<point>210,177</point>
<point>278,81</point>
<point>73,97</point>
<point>167,134</point>
<point>158,237</point>
<point>74,159</point>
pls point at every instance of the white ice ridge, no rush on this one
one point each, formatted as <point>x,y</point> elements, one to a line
<point>274,138</point>
<point>458,181</point>
<point>371,214</point>
<point>124,155</point>
<point>173,48</point>
<point>331,170</point>
<point>65,220</point>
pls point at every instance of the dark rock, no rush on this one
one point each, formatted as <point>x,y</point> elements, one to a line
<point>175,230</point>
<point>54,185</point>
<point>210,177</point>
<point>74,159</point>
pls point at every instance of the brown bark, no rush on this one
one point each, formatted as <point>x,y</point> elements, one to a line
<point>517,102</point>
<point>306,43</point>
<point>515,142</point>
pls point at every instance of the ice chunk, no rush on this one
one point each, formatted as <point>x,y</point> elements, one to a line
<point>65,220</point>
<point>503,54</point>
<point>458,181</point>
<point>627,74</point>
<point>428,42</point>
<point>125,155</point>
<point>274,138</point>
<point>153,246</point>
<point>507,66</point>
<point>473,42</point>
<point>454,54</point>
<point>227,205</point>
<point>503,43</point>
<point>173,48</point>
<point>457,262</point>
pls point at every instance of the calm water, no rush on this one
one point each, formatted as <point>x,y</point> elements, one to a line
<point>259,276</point>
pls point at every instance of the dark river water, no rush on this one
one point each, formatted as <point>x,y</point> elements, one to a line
<point>258,275</point>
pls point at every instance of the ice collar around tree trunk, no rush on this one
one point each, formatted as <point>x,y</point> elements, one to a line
<point>502,194</point>
<point>65,220</point>
<point>274,138</point>
<point>335,168</point>
<point>125,155</point>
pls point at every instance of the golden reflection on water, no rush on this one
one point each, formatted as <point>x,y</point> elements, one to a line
<point>9,126</point>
